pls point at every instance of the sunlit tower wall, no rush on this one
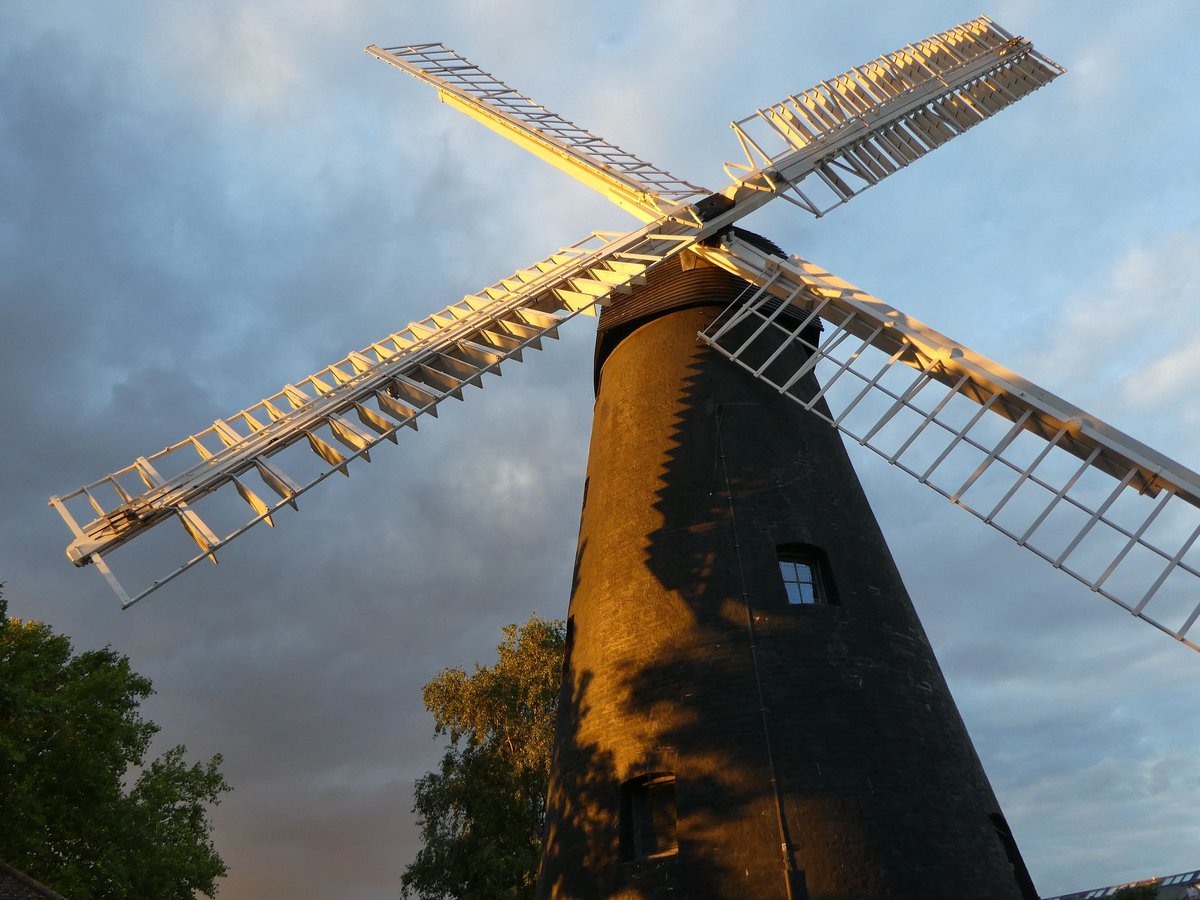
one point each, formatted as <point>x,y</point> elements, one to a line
<point>714,738</point>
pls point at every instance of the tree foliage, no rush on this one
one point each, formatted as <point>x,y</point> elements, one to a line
<point>1137,892</point>
<point>481,813</point>
<point>70,734</point>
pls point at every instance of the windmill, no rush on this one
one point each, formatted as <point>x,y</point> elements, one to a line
<point>950,418</point>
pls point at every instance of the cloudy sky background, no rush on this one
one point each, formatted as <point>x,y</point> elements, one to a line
<point>203,201</point>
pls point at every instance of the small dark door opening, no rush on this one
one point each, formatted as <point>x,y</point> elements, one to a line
<point>648,817</point>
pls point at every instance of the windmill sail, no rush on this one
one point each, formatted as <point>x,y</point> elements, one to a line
<point>1090,500</point>
<point>343,411</point>
<point>848,133</point>
<point>633,184</point>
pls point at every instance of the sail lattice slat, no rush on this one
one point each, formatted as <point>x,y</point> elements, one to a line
<point>830,143</point>
<point>1117,516</point>
<point>344,410</point>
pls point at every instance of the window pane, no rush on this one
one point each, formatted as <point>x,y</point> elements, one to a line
<point>799,581</point>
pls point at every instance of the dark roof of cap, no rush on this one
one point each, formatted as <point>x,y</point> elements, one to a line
<point>683,281</point>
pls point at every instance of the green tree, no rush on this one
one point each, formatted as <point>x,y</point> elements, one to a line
<point>1137,892</point>
<point>71,735</point>
<point>481,812</point>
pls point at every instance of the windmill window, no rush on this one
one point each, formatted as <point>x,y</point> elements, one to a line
<point>648,817</point>
<point>800,582</point>
<point>803,572</point>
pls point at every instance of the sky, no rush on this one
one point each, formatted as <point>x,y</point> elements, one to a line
<point>204,201</point>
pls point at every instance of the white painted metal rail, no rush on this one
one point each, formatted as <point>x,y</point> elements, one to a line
<point>1090,500</point>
